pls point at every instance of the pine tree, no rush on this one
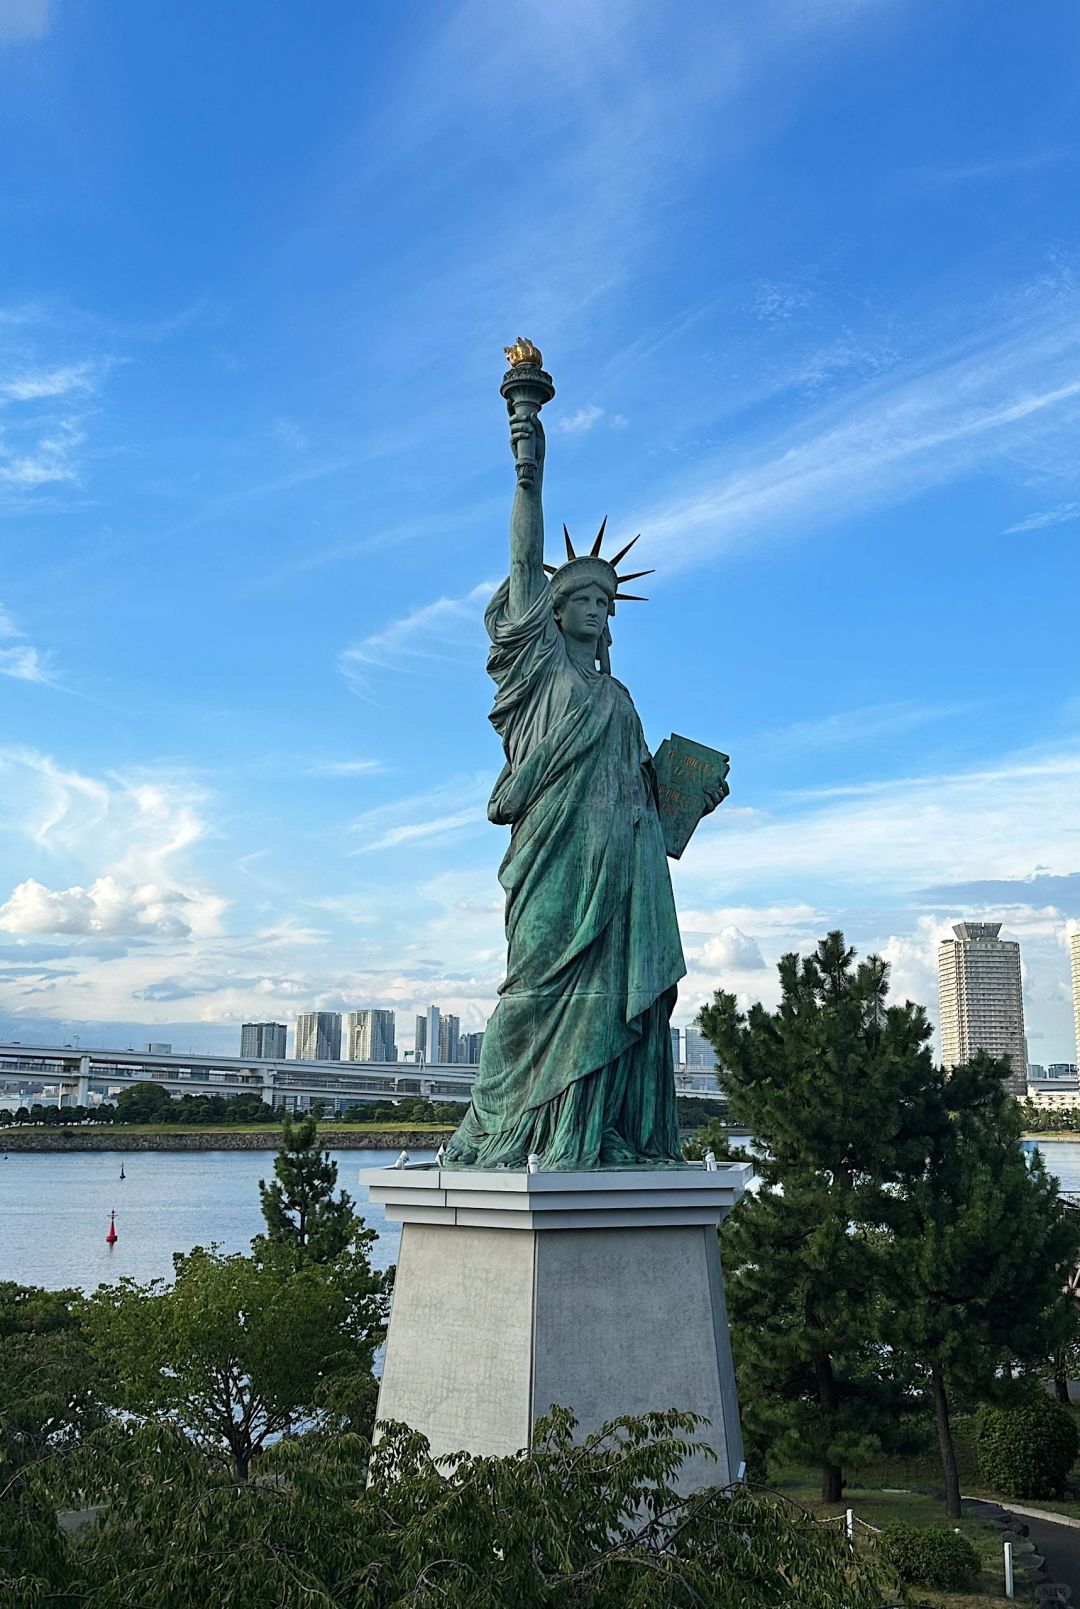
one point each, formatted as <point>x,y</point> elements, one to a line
<point>832,1086</point>
<point>980,1252</point>
<point>299,1205</point>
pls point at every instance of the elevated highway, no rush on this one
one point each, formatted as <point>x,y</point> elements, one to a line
<point>74,1070</point>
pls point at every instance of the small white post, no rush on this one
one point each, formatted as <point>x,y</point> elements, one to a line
<point>1009,1593</point>
<point>851,1525</point>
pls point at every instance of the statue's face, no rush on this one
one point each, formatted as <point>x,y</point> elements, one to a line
<point>583,614</point>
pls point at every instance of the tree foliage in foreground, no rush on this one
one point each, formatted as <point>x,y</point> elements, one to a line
<point>301,1211</point>
<point>830,1084</point>
<point>238,1351</point>
<point>903,1253</point>
<point>592,1525</point>
<point>46,1407</point>
<point>979,1254</point>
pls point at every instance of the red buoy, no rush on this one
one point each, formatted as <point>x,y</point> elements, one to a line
<point>112,1237</point>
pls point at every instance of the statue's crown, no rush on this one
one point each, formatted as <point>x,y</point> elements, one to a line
<point>523,351</point>
<point>579,569</point>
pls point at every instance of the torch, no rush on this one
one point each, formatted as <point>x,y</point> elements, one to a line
<point>526,387</point>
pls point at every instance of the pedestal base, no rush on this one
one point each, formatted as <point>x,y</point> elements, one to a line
<point>600,1292</point>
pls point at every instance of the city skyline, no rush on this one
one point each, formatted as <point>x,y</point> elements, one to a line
<point>842,416</point>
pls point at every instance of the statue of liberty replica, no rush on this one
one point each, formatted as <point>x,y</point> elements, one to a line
<point>576,1067</point>
<point>561,1251</point>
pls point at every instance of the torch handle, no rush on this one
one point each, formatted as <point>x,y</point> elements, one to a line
<point>526,387</point>
<point>525,447</point>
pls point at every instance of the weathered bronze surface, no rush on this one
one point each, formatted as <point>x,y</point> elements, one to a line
<point>576,1066</point>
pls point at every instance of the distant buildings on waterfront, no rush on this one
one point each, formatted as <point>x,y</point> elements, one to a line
<point>981,1008</point>
<point>697,1052</point>
<point>264,1041</point>
<point>367,1035</point>
<point>318,1036</point>
<point>982,999</point>
<point>370,1036</point>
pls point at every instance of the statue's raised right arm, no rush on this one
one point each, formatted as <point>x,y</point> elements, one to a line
<point>527,578</point>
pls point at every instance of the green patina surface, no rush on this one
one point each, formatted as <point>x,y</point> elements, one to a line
<point>576,1065</point>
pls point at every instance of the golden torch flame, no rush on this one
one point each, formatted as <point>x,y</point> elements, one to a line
<point>523,351</point>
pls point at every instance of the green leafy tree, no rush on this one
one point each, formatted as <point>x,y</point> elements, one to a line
<point>144,1103</point>
<point>832,1085</point>
<point>712,1136</point>
<point>239,1351</point>
<point>299,1204</point>
<point>592,1524</point>
<point>47,1407</point>
<point>980,1251</point>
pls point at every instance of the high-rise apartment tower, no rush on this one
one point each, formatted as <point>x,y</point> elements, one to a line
<point>369,1036</point>
<point>263,1041</point>
<point>318,1036</point>
<point>982,999</point>
<point>1074,955</point>
<point>449,1034</point>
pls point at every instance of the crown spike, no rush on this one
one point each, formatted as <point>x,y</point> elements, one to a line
<point>600,537</point>
<point>551,568</point>
<point>570,554</point>
<point>635,575</point>
<point>623,551</point>
<point>629,597</point>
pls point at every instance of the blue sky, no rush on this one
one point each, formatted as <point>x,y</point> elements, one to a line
<point>807,276</point>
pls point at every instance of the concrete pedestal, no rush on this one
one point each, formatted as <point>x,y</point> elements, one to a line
<point>600,1292</point>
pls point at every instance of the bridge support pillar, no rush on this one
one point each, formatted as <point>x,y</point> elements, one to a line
<point>82,1087</point>
<point>268,1086</point>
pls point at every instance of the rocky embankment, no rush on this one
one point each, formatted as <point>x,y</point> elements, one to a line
<point>268,1139</point>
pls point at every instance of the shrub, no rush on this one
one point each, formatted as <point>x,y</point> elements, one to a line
<point>933,1557</point>
<point>1026,1450</point>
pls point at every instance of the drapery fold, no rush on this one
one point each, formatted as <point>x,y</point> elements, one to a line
<point>576,1063</point>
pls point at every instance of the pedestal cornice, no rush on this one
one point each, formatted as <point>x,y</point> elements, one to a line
<point>616,1198</point>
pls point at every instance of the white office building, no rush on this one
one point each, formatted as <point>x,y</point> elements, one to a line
<point>1074,955</point>
<point>982,999</point>
<point>318,1036</point>
<point>370,1036</point>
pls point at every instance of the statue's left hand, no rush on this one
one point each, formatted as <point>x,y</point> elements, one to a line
<point>715,796</point>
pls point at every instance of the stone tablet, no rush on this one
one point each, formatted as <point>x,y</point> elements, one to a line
<point>685,772</point>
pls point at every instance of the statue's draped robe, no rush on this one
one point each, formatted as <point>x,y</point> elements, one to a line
<point>576,1063</point>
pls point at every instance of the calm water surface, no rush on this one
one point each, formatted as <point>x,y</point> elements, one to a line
<point>54,1210</point>
<point>1062,1159</point>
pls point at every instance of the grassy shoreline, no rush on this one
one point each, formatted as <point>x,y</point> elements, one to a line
<point>217,1137</point>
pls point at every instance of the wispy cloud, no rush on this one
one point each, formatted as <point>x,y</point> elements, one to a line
<point>894,837</point>
<point>935,418</point>
<point>576,424</point>
<point>864,725</point>
<point>131,833</point>
<point>346,768</point>
<point>1062,515</point>
<point>1001,167</point>
<point>33,385</point>
<point>427,640</point>
<point>22,20</point>
<point>21,660</point>
<point>42,421</point>
<point>448,811</point>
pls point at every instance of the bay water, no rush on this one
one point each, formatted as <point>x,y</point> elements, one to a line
<point>54,1208</point>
